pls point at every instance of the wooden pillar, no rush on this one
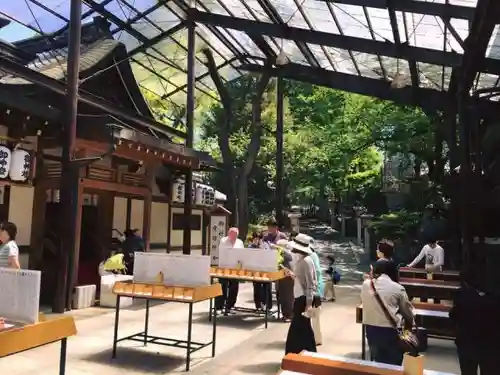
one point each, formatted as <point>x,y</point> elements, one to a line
<point>39,209</point>
<point>148,201</point>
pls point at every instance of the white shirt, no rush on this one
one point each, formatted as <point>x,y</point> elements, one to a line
<point>7,250</point>
<point>226,243</point>
<point>433,257</point>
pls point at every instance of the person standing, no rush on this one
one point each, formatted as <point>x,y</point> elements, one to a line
<point>133,243</point>
<point>330,280</point>
<point>475,315</point>
<point>385,251</point>
<point>316,312</point>
<point>386,307</point>
<point>229,287</point>
<point>9,252</point>
<point>300,333</point>
<point>433,254</point>
<point>260,295</point>
<point>434,260</point>
<point>285,285</point>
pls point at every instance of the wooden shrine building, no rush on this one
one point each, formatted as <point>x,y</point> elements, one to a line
<point>130,186</point>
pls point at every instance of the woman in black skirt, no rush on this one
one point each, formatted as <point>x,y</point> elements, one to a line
<point>300,334</point>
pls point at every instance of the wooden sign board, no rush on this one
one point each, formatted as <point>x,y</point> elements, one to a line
<point>175,269</point>
<point>20,295</point>
<point>265,260</point>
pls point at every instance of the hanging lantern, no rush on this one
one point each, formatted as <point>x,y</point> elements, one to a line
<point>20,165</point>
<point>5,161</point>
<point>178,192</point>
<point>199,195</point>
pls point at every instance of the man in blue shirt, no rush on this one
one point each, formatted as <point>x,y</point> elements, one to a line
<point>315,319</point>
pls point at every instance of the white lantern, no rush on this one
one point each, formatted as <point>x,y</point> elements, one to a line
<point>199,194</point>
<point>178,192</point>
<point>20,165</point>
<point>5,161</point>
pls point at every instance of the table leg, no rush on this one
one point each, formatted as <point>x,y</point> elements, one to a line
<point>117,320</point>
<point>363,342</point>
<point>146,323</point>
<point>62,357</point>
<point>214,330</point>
<point>190,326</point>
<point>277,301</point>
<point>211,303</point>
<point>266,316</point>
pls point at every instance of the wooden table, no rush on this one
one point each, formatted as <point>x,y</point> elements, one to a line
<point>180,294</point>
<point>249,276</point>
<point>327,364</point>
<point>21,338</point>
<point>422,288</point>
<point>419,273</point>
<point>434,318</point>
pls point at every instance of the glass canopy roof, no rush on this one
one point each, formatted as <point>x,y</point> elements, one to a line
<point>160,69</point>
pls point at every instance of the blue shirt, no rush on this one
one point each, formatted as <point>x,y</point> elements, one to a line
<point>317,267</point>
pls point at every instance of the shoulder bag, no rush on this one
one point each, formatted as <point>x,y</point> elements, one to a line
<point>407,338</point>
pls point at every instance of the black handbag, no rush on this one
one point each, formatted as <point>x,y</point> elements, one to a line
<point>407,338</point>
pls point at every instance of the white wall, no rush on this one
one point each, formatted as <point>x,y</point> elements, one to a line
<point>21,212</point>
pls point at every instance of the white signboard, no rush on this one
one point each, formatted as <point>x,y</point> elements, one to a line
<point>265,260</point>
<point>177,269</point>
<point>20,295</point>
<point>217,231</point>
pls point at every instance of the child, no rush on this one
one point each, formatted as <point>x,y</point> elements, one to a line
<point>331,280</point>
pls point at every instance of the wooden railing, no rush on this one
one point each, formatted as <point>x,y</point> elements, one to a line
<point>93,172</point>
<point>52,170</point>
<point>132,179</point>
<point>100,173</point>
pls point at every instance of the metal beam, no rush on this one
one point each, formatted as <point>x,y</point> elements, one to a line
<point>427,98</point>
<point>420,7</point>
<point>388,49</point>
<point>141,122</point>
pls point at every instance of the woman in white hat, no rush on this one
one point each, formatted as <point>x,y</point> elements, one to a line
<point>300,334</point>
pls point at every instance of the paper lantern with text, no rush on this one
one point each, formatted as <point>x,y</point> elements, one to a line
<point>178,192</point>
<point>5,161</point>
<point>20,165</point>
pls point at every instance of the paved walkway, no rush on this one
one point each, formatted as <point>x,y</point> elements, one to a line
<point>243,345</point>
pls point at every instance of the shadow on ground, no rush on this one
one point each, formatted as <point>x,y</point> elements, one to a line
<point>239,320</point>
<point>138,359</point>
<point>261,368</point>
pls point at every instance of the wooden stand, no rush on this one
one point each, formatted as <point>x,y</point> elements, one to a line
<point>246,275</point>
<point>16,340</point>
<point>325,364</point>
<point>236,275</point>
<point>181,294</point>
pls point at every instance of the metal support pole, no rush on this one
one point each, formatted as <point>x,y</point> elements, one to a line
<point>69,174</point>
<point>279,151</point>
<point>465,174</point>
<point>186,244</point>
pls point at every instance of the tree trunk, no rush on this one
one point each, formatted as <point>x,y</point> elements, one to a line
<point>243,206</point>
<point>238,197</point>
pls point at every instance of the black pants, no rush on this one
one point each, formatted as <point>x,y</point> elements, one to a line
<point>229,296</point>
<point>300,334</point>
<point>285,296</point>
<point>473,358</point>
<point>384,345</point>
<point>262,295</point>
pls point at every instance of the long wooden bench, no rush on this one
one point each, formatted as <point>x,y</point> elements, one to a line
<point>418,273</point>
<point>422,288</point>
<point>327,364</point>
